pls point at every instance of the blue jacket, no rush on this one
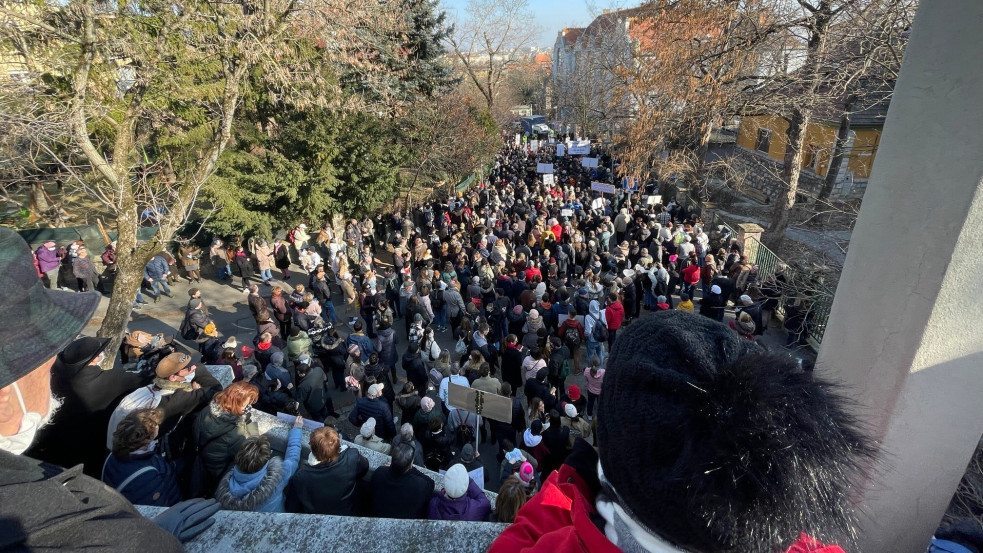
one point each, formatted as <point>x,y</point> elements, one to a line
<point>378,409</point>
<point>157,486</point>
<point>156,268</point>
<point>261,491</point>
<point>364,345</point>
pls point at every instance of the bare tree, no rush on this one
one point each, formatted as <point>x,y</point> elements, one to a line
<point>493,36</point>
<point>148,93</point>
<point>832,70</point>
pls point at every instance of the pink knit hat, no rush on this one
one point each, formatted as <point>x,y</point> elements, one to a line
<point>526,473</point>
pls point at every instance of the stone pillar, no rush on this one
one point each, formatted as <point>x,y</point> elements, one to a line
<point>749,247</point>
<point>904,332</point>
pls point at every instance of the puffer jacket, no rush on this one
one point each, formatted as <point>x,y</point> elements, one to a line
<point>218,435</point>
<point>472,506</point>
<point>261,491</point>
<point>378,409</point>
<point>157,486</point>
<point>156,268</point>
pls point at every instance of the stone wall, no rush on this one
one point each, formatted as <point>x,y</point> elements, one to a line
<point>757,171</point>
<point>276,532</point>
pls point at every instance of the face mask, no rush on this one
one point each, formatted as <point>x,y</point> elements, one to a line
<point>189,378</point>
<point>29,425</point>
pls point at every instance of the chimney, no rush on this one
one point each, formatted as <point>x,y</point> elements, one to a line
<point>606,11</point>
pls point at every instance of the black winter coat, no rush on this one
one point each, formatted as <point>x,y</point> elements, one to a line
<point>327,488</point>
<point>416,370</point>
<point>404,496</point>
<point>77,432</point>
<point>79,512</point>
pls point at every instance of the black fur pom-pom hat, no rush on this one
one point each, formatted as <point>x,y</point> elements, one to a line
<point>713,444</point>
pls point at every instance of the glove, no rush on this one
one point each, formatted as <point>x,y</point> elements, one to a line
<point>188,518</point>
<point>583,459</point>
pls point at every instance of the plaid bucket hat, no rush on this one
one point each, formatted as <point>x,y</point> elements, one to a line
<point>43,321</point>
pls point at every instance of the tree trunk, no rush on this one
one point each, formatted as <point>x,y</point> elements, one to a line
<point>842,135</point>
<point>790,177</point>
<point>130,260</point>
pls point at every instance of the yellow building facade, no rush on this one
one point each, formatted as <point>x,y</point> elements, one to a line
<point>766,134</point>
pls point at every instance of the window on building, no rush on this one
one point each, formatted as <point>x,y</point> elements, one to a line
<point>763,143</point>
<point>810,160</point>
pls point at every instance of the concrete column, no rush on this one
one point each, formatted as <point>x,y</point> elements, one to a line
<point>904,332</point>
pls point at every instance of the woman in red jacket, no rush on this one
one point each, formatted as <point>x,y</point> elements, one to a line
<point>707,443</point>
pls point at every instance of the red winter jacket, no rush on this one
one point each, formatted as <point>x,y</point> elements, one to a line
<point>556,520</point>
<point>614,314</point>
<point>691,274</point>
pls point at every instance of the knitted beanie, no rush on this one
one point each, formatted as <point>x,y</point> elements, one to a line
<point>715,445</point>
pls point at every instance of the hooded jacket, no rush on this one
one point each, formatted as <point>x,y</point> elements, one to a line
<point>157,486</point>
<point>472,506</point>
<point>261,491</point>
<point>219,434</point>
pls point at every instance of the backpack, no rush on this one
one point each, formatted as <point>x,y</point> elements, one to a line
<point>599,333</point>
<point>290,236</point>
<point>436,299</point>
<point>416,333</point>
<point>572,337</point>
<point>557,364</point>
<point>106,258</point>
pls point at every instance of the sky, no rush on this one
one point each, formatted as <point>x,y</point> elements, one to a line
<point>553,15</point>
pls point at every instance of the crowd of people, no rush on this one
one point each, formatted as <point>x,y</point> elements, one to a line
<point>687,434</point>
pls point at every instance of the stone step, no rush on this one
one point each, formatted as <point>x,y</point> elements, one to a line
<point>236,531</point>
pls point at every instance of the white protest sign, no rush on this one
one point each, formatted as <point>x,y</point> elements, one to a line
<point>598,203</point>
<point>518,139</point>
<point>589,162</point>
<point>566,213</point>
<point>308,424</point>
<point>602,187</point>
<point>548,179</point>
<point>544,168</point>
<point>559,150</point>
<point>534,145</point>
<point>581,147</point>
<point>656,199</point>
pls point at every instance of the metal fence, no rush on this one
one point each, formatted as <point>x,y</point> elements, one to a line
<point>816,303</point>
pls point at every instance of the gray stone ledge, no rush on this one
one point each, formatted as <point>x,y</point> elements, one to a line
<point>235,531</point>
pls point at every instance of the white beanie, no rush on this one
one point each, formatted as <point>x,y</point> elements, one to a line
<point>456,481</point>
<point>746,299</point>
<point>714,289</point>
<point>368,428</point>
<point>570,410</point>
<point>374,391</point>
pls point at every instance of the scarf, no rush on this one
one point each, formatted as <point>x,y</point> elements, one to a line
<point>624,531</point>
